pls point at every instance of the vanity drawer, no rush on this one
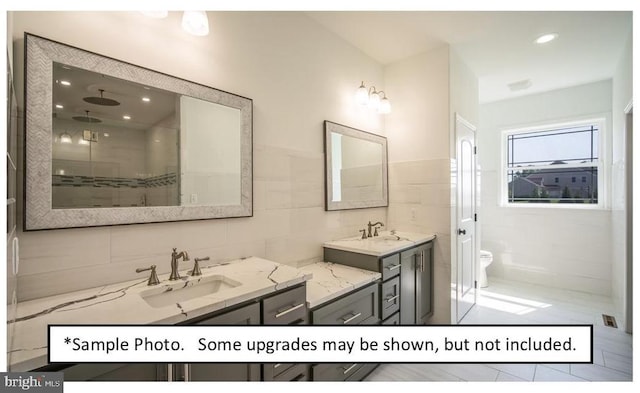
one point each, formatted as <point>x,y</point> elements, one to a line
<point>357,308</point>
<point>285,308</point>
<point>284,371</point>
<point>392,320</point>
<point>390,297</point>
<point>390,266</point>
<point>334,371</point>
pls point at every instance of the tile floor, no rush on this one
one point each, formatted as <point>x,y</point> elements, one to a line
<point>505,302</point>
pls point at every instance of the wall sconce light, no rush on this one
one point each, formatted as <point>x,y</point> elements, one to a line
<point>193,22</point>
<point>65,138</point>
<point>376,100</point>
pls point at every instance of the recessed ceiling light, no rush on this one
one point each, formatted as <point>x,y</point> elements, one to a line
<point>146,99</point>
<point>520,85</point>
<point>65,83</point>
<point>126,117</point>
<point>106,134</point>
<point>59,106</point>
<point>543,39</point>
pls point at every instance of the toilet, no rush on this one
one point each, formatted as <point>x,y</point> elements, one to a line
<point>486,257</point>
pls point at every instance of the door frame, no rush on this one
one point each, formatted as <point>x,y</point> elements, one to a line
<point>454,221</point>
<point>628,293</point>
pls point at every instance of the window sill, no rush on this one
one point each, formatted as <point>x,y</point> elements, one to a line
<point>567,206</point>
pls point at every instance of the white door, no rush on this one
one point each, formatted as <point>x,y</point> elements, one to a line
<point>465,231</point>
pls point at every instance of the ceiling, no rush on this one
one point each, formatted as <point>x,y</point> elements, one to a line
<point>498,46</point>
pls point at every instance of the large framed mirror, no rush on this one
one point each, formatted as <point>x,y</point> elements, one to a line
<point>355,168</point>
<point>109,143</point>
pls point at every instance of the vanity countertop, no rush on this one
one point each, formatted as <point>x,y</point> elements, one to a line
<point>331,280</point>
<point>122,304</point>
<point>381,245</point>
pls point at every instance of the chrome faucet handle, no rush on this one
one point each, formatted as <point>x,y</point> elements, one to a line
<point>364,233</point>
<point>153,278</point>
<point>196,266</point>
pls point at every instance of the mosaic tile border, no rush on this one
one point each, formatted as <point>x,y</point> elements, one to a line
<point>167,179</point>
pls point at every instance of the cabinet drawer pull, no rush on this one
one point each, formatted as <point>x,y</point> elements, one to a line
<point>187,372</point>
<point>393,267</point>
<point>392,298</point>
<point>287,311</point>
<point>346,370</point>
<point>354,316</point>
<point>170,372</point>
<point>277,365</point>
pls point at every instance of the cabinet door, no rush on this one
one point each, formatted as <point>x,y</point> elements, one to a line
<point>115,372</point>
<point>408,287</point>
<point>247,315</point>
<point>424,284</point>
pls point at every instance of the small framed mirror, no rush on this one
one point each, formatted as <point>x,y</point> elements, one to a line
<point>355,168</point>
<point>108,143</point>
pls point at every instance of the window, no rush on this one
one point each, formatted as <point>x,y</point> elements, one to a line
<point>542,164</point>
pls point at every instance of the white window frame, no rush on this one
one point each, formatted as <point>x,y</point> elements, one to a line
<point>603,189</point>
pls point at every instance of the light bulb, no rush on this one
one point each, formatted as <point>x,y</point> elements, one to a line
<point>362,95</point>
<point>374,101</point>
<point>195,22</point>
<point>385,106</point>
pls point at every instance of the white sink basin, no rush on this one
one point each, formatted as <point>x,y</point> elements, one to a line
<point>385,238</point>
<point>181,291</point>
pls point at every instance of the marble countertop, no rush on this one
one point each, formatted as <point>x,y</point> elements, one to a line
<point>122,304</point>
<point>381,245</point>
<point>331,280</point>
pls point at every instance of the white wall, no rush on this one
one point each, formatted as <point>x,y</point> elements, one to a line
<point>419,160</point>
<point>622,94</point>
<point>298,75</point>
<point>564,248</point>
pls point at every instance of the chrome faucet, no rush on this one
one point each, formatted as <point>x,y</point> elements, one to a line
<point>174,263</point>
<point>369,225</point>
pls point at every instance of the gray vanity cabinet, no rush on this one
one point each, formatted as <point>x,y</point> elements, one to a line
<point>112,372</point>
<point>389,266</point>
<point>247,315</point>
<point>286,308</point>
<point>406,290</point>
<point>360,307</point>
<point>416,289</point>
